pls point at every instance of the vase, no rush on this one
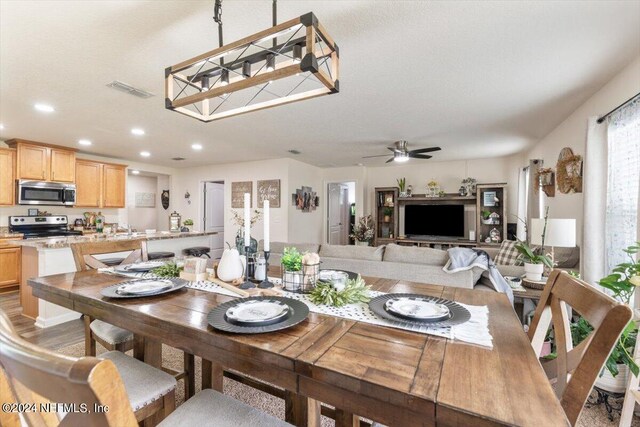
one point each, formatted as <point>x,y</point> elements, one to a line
<point>533,271</point>
<point>253,247</point>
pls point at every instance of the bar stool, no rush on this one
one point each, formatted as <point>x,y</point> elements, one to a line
<point>197,251</point>
<point>160,255</point>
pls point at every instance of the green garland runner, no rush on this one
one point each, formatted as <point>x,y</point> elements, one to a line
<point>355,290</point>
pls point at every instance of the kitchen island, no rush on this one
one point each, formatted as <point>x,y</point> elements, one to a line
<point>44,257</point>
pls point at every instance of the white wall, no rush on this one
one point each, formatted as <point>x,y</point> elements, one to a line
<point>305,226</point>
<point>141,218</point>
<point>572,133</point>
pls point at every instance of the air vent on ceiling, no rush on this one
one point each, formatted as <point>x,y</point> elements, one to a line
<point>123,87</point>
<point>177,158</point>
<point>294,151</point>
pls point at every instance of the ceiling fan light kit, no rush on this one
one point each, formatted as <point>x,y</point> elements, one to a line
<point>291,61</point>
<point>401,152</point>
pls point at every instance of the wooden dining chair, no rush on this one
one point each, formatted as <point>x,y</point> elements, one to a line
<point>575,369</point>
<point>33,375</point>
<point>113,337</point>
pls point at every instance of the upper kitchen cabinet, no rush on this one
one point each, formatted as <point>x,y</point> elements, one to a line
<point>7,176</point>
<point>43,162</point>
<point>113,184</point>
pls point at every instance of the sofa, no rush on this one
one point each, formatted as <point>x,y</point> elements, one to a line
<point>422,265</point>
<point>410,263</point>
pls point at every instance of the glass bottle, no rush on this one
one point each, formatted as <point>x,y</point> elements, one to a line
<point>99,223</point>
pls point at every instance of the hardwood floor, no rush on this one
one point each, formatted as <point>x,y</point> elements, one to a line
<point>53,338</point>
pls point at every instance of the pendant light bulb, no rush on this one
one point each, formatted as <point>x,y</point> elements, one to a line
<point>224,77</point>
<point>205,83</point>
<point>271,62</point>
<point>297,53</point>
<point>246,69</point>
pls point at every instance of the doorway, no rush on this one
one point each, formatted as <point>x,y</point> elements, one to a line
<point>213,218</point>
<point>341,212</point>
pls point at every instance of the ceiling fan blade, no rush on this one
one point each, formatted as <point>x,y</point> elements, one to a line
<point>394,149</point>
<point>390,160</point>
<point>426,150</point>
<point>419,156</point>
<point>380,155</point>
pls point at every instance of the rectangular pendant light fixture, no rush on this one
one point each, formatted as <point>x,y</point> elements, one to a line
<point>289,62</point>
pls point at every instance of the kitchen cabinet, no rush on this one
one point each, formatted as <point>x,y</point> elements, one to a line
<point>7,176</point>
<point>10,265</point>
<point>88,184</point>
<point>113,187</point>
<point>100,185</point>
<point>43,162</point>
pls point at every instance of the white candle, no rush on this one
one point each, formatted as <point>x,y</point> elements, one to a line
<point>247,220</point>
<point>266,225</point>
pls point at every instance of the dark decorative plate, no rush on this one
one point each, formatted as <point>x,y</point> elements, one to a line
<point>112,291</point>
<point>457,313</point>
<point>351,274</point>
<point>217,318</point>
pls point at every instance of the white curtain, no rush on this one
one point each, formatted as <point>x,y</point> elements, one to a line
<point>523,185</point>
<point>623,183</point>
<point>593,261</point>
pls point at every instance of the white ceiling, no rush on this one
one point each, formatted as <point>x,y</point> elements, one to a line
<point>479,78</point>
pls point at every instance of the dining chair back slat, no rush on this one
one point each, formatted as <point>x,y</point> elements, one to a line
<point>575,369</point>
<point>33,375</point>
<point>84,253</point>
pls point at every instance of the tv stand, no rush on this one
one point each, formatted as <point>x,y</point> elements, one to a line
<point>430,241</point>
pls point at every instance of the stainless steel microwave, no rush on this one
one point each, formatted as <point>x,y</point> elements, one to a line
<point>46,193</point>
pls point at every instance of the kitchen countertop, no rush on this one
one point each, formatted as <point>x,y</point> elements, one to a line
<point>66,241</point>
<point>6,234</point>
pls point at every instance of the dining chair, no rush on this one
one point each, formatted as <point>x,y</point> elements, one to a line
<point>575,369</point>
<point>33,375</point>
<point>110,336</point>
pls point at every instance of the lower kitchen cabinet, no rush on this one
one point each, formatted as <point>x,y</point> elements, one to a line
<point>10,266</point>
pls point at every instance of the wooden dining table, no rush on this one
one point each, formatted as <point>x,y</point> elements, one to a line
<point>395,377</point>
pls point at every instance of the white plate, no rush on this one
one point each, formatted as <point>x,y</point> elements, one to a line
<point>417,308</point>
<point>141,266</point>
<point>144,287</point>
<point>257,311</point>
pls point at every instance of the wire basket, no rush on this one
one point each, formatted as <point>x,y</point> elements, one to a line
<point>302,281</point>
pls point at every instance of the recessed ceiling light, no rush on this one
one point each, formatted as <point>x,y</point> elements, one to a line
<point>44,108</point>
<point>137,131</point>
<point>84,142</point>
<point>135,172</point>
<point>196,147</point>
<point>145,153</point>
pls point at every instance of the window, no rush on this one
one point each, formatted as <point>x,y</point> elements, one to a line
<point>623,187</point>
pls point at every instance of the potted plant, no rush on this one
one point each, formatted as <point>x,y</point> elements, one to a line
<point>533,262</point>
<point>238,219</point>
<point>402,183</point>
<point>188,223</point>
<point>363,231</point>
<point>388,211</point>
<point>291,262</point>
<point>433,188</point>
<point>469,185</point>
<point>622,283</point>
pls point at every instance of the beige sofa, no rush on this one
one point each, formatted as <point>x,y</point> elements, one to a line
<point>422,265</point>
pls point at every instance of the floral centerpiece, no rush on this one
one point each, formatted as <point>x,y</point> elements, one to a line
<point>433,188</point>
<point>299,271</point>
<point>238,219</point>
<point>469,185</point>
<point>363,231</point>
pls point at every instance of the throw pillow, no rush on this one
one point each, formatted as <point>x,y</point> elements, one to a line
<point>508,254</point>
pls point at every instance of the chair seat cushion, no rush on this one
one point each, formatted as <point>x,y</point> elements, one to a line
<point>109,333</point>
<point>211,408</point>
<point>144,383</point>
<point>160,255</point>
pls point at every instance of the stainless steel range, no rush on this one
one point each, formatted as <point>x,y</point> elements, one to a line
<point>41,226</point>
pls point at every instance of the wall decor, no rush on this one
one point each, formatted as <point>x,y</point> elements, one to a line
<point>546,178</point>
<point>569,172</point>
<point>237,193</point>
<point>164,197</point>
<point>489,198</point>
<point>269,190</point>
<point>145,200</point>
<point>305,199</point>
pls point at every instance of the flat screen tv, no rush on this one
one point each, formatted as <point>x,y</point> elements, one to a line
<point>434,220</point>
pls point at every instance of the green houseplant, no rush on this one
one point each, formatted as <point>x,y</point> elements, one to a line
<point>388,211</point>
<point>188,223</point>
<point>534,261</point>
<point>402,184</point>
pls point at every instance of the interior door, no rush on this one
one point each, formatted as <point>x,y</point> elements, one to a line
<point>214,216</point>
<point>338,218</point>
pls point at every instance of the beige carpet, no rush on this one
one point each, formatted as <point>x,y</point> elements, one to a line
<point>595,416</point>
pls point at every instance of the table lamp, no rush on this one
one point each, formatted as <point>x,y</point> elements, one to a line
<point>561,232</point>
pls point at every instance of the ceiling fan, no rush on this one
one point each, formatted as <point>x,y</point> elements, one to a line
<point>402,154</point>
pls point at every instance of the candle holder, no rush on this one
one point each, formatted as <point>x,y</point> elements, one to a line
<point>266,284</point>
<point>247,283</point>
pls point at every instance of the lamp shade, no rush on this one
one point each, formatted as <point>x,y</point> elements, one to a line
<point>561,232</point>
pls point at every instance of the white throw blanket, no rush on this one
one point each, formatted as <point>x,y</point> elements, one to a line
<point>461,259</point>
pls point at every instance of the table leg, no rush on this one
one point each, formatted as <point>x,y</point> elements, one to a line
<point>346,419</point>
<point>301,411</point>
<point>212,375</point>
